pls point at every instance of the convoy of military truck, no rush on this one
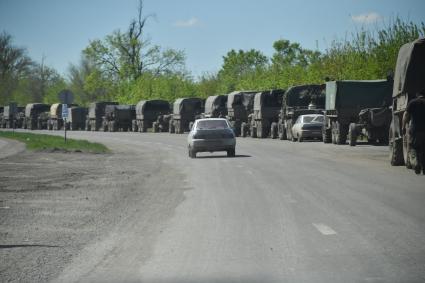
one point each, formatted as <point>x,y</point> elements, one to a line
<point>371,110</point>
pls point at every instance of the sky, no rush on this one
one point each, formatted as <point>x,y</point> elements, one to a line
<point>205,29</point>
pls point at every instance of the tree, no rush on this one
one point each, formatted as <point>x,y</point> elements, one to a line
<point>15,64</point>
<point>292,54</point>
<point>127,55</point>
<point>239,64</point>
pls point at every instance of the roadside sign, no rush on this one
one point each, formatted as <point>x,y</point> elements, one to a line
<point>64,111</point>
<point>66,96</point>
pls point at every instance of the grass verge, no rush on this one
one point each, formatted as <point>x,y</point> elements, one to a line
<point>39,142</point>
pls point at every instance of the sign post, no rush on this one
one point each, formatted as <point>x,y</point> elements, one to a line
<point>64,116</point>
<point>66,97</point>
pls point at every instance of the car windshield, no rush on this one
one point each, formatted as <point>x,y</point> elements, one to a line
<point>211,124</point>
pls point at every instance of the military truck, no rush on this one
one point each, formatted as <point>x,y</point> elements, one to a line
<point>95,116</point>
<point>185,112</point>
<point>147,112</point>
<point>36,116</point>
<point>344,102</point>
<point>9,115</point>
<point>162,123</point>
<point>298,100</point>
<point>267,105</point>
<point>239,105</point>
<point>215,107</point>
<point>19,117</point>
<point>408,81</point>
<point>118,117</point>
<point>77,118</point>
<point>55,121</point>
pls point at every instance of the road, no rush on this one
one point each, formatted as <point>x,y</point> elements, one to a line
<point>277,212</point>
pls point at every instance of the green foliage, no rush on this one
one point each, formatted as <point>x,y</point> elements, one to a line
<point>239,65</point>
<point>48,142</point>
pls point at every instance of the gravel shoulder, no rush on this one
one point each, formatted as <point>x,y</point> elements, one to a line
<point>57,207</point>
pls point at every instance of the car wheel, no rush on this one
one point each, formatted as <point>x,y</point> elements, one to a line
<point>231,153</point>
<point>192,153</point>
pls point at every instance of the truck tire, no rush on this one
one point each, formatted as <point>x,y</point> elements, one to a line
<point>155,127</point>
<point>261,130</point>
<point>289,131</point>
<point>273,130</point>
<point>134,126</point>
<point>352,135</point>
<point>110,126</point>
<point>406,151</point>
<point>171,128</point>
<point>253,131</point>
<point>326,135</point>
<point>341,133</point>
<point>282,132</point>
<point>333,135</point>
<point>143,127</point>
<point>396,149</point>
<point>244,129</point>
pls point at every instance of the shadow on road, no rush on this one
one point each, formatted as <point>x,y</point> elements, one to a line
<point>223,156</point>
<point>27,246</point>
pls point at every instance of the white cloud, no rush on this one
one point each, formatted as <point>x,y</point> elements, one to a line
<point>366,18</point>
<point>187,23</point>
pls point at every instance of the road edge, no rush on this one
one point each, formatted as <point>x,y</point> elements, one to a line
<point>9,147</point>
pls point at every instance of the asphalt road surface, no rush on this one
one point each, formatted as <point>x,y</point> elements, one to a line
<point>278,212</point>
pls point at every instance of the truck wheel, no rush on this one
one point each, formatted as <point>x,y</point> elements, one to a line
<point>396,149</point>
<point>289,131</point>
<point>134,126</point>
<point>352,135</point>
<point>143,127</point>
<point>111,126</point>
<point>244,128</point>
<point>155,127</point>
<point>341,133</point>
<point>406,151</point>
<point>282,132</point>
<point>326,135</point>
<point>253,131</point>
<point>273,130</point>
<point>231,152</point>
<point>171,128</point>
<point>259,129</point>
<point>333,132</point>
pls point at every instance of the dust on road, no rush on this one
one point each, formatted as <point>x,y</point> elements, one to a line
<point>53,205</point>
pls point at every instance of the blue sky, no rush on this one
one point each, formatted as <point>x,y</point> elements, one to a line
<point>206,30</point>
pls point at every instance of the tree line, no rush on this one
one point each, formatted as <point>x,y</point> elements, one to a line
<point>127,67</point>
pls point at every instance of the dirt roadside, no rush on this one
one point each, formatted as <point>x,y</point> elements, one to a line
<point>55,205</point>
